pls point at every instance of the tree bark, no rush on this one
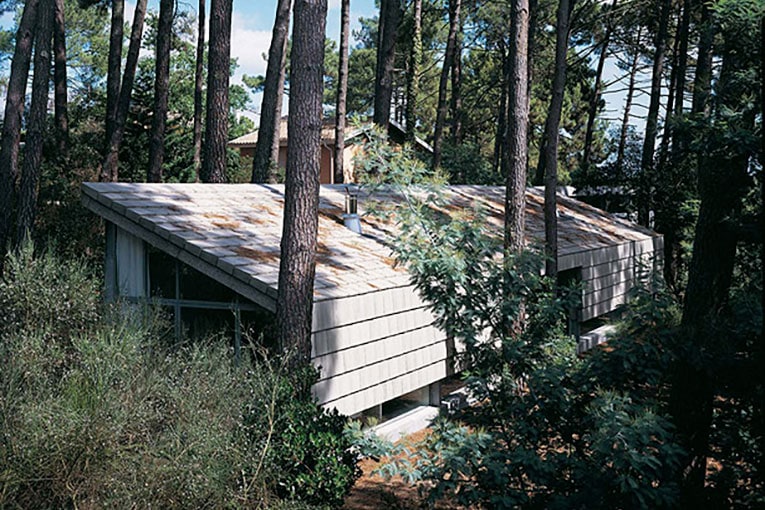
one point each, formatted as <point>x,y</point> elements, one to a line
<point>114,69</point>
<point>723,181</point>
<point>38,110</point>
<point>649,143</point>
<point>702,82</point>
<point>109,168</point>
<point>265,159</point>
<point>61,103</point>
<point>391,12</point>
<point>342,90</point>
<point>161,90</point>
<point>456,100</point>
<point>218,71</point>
<point>499,138</point>
<point>451,42</point>
<point>552,126</point>
<point>592,111</point>
<point>298,246</point>
<point>515,152</point>
<point>628,103</point>
<point>413,72</point>
<point>14,109</point>
<point>199,89</point>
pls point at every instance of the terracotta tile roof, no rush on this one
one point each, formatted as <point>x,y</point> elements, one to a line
<point>236,228</point>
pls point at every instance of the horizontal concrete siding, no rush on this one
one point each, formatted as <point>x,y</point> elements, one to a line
<point>374,347</point>
<point>608,274</point>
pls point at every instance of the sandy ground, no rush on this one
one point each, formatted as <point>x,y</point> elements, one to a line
<point>372,492</point>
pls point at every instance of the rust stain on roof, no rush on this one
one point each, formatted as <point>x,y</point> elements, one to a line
<point>256,255</point>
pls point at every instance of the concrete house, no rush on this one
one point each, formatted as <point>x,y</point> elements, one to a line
<point>209,253</point>
<point>355,137</point>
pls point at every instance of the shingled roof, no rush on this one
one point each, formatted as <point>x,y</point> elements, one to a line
<point>232,232</point>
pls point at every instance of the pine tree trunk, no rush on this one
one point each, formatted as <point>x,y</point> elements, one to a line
<point>670,106</point>
<point>61,102</point>
<point>456,100</point>
<point>298,246</point>
<point>264,163</point>
<point>515,152</point>
<point>109,169</point>
<point>651,128</point>
<point>342,90</point>
<point>723,181</point>
<point>38,111</point>
<point>413,72</point>
<point>218,71</point>
<point>391,12</point>
<point>552,127</point>
<point>199,89</point>
<point>628,104</point>
<point>114,69</point>
<point>499,137</point>
<point>451,42</point>
<point>702,82</point>
<point>592,110</point>
<point>161,90</point>
<point>14,109</point>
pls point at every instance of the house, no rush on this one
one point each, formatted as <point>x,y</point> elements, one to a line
<point>355,137</point>
<point>210,254</point>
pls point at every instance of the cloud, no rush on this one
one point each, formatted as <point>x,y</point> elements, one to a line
<point>248,46</point>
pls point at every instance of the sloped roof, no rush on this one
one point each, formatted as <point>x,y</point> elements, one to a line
<point>234,230</point>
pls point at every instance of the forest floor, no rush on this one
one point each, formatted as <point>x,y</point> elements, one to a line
<point>372,492</point>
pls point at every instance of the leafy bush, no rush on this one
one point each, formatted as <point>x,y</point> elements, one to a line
<point>550,430</point>
<point>97,410</point>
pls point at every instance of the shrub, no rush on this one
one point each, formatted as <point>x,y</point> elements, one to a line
<point>97,410</point>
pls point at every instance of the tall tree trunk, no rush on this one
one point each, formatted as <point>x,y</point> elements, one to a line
<point>109,169</point>
<point>218,71</point>
<point>264,162</point>
<point>456,99</point>
<point>628,103</point>
<point>592,110</point>
<point>673,146</point>
<point>723,181</point>
<point>552,126</point>
<point>161,90</point>
<point>451,42</point>
<point>59,77</point>
<point>670,106</point>
<point>391,12</point>
<point>499,138</point>
<point>342,90</point>
<point>38,110</point>
<point>651,128</point>
<point>114,69</point>
<point>301,193</point>
<point>413,72</point>
<point>14,109</point>
<point>199,89</point>
<point>702,82</point>
<point>683,33</point>
<point>515,152</point>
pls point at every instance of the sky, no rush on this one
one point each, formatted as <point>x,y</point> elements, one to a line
<point>252,22</point>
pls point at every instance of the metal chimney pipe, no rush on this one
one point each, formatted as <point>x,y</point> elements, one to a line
<point>351,218</point>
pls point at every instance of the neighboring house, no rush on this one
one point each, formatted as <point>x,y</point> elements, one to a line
<point>210,254</point>
<point>355,137</point>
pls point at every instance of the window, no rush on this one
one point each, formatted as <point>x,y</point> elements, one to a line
<point>201,306</point>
